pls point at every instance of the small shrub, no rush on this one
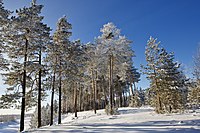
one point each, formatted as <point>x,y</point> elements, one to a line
<point>113,111</point>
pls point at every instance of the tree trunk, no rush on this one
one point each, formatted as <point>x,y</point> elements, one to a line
<point>131,89</point>
<point>39,89</point>
<point>114,101</point>
<point>91,99</point>
<point>23,89</point>
<point>99,100</point>
<point>64,104</point>
<point>104,92</point>
<point>75,99</point>
<point>135,88</point>
<point>60,95</point>
<point>159,106</point>
<point>111,81</point>
<point>52,99</point>
<point>120,100</point>
<point>94,91</point>
<point>124,98</point>
<point>80,99</point>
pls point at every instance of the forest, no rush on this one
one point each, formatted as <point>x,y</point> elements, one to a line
<point>38,65</point>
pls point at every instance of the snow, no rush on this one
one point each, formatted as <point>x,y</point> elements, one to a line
<point>10,111</point>
<point>130,120</point>
<point>13,115</point>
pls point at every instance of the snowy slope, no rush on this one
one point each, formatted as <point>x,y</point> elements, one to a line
<point>130,120</point>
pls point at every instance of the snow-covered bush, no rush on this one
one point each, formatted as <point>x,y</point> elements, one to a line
<point>113,111</point>
<point>45,120</point>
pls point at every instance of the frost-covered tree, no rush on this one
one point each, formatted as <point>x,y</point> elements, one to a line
<point>92,70</point>
<point>194,95</point>
<point>167,81</point>
<point>151,69</point>
<point>51,62</point>
<point>194,89</point>
<point>173,82</point>
<point>197,64</point>
<point>4,21</point>
<point>74,69</point>
<point>133,76</point>
<point>24,35</point>
<point>61,39</point>
<point>56,60</point>
<point>45,111</point>
<point>42,38</point>
<point>115,53</point>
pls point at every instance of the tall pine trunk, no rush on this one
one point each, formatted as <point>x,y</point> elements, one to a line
<point>39,89</point>
<point>104,92</point>
<point>159,104</point>
<point>120,99</point>
<point>124,99</point>
<point>23,88</point>
<point>64,104</point>
<point>60,95</point>
<point>52,98</point>
<point>75,99</point>
<point>80,99</point>
<point>94,92</point>
<point>131,89</point>
<point>111,82</point>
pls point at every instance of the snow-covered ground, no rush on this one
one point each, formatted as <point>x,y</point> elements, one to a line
<point>130,120</point>
<point>13,115</point>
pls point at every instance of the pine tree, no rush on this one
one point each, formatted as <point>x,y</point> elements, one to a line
<point>4,22</point>
<point>51,64</point>
<point>114,51</point>
<point>194,89</point>
<point>173,82</point>
<point>61,39</point>
<point>74,69</point>
<point>133,76</point>
<point>92,70</point>
<point>56,59</point>
<point>166,79</point>
<point>24,34</point>
<point>152,56</point>
<point>42,38</point>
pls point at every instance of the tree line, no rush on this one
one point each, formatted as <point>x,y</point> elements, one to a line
<point>92,76</point>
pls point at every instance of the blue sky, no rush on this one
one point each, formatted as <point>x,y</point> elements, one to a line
<point>176,23</point>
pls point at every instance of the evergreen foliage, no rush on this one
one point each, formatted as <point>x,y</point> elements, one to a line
<point>166,79</point>
<point>96,75</point>
<point>194,89</point>
<point>45,119</point>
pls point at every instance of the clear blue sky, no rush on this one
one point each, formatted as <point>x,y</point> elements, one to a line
<point>176,23</point>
